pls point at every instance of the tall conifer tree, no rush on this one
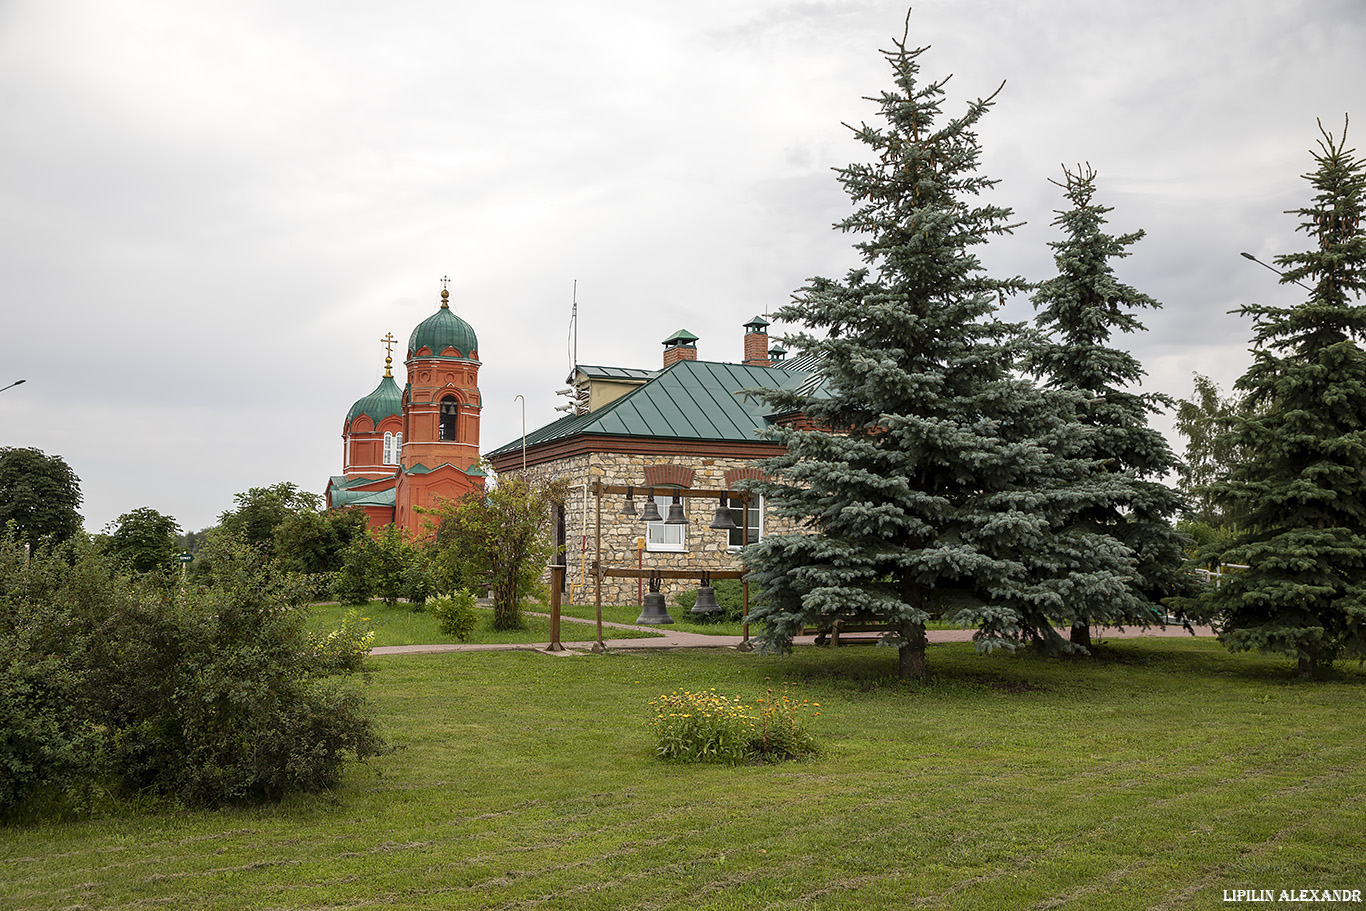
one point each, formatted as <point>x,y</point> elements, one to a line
<point>1301,494</point>
<point>936,482</point>
<point>1079,310</point>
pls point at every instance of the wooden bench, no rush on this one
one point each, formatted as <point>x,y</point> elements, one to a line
<point>834,634</point>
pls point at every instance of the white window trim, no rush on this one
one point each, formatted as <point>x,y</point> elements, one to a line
<point>662,502</point>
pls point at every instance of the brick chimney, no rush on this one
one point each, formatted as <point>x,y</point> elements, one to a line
<point>756,343</point>
<point>681,346</point>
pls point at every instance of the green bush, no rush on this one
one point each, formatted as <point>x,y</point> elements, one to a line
<point>343,650</point>
<point>709,727</point>
<point>211,696</point>
<point>455,614</point>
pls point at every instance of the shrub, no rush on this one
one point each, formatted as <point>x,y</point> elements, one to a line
<point>709,727</point>
<point>343,650</point>
<point>780,734</point>
<point>210,696</point>
<point>702,727</point>
<point>455,614</point>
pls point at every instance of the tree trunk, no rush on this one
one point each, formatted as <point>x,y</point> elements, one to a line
<point>1081,634</point>
<point>911,655</point>
<point>1309,663</point>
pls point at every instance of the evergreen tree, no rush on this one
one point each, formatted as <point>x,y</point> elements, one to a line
<point>1302,494</point>
<point>937,482</point>
<point>1078,311</point>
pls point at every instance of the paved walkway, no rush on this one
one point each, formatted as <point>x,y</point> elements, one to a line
<point>675,638</point>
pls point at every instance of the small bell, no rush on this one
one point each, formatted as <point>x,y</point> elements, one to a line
<point>651,511</point>
<point>676,516</point>
<point>630,510</point>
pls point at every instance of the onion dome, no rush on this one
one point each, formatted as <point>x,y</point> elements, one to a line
<point>385,401</point>
<point>442,330</point>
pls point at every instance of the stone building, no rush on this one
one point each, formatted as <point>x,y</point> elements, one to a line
<point>685,426</point>
<point>415,446</point>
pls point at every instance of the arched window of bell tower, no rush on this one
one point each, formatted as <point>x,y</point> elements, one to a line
<point>450,410</point>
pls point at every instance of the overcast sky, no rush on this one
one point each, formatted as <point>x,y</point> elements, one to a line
<point>211,212</point>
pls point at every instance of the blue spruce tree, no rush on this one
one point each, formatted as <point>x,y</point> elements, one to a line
<point>1078,312</point>
<point>937,483</point>
<point>1300,495</point>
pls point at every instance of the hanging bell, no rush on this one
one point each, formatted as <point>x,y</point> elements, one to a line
<point>676,516</point>
<point>723,521</point>
<point>630,510</point>
<point>706,605</point>
<point>654,613</point>
<point>651,512</point>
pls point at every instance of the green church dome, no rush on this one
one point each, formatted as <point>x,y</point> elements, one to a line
<point>385,401</point>
<point>442,330</point>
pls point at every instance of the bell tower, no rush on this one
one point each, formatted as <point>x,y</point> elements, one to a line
<point>441,402</point>
<point>441,406</point>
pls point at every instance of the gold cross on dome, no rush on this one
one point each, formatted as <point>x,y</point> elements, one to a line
<point>445,283</point>
<point>388,342</point>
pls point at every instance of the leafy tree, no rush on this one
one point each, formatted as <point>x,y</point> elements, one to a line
<point>1205,420</point>
<point>316,542</point>
<point>261,510</point>
<point>498,539</point>
<point>1302,491</point>
<point>143,541</point>
<point>1079,310</point>
<point>939,482</point>
<point>40,494</point>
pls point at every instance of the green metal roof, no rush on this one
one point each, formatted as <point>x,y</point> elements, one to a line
<point>473,471</point>
<point>342,494</point>
<point>690,400</point>
<point>442,330</point>
<point>385,401</point>
<point>612,373</point>
<point>757,323</point>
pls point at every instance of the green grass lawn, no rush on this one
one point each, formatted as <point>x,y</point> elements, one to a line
<point>401,625</point>
<point>1153,777</point>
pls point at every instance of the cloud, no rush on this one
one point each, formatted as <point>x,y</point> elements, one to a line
<point>212,212</point>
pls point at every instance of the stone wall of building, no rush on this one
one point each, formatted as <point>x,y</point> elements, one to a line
<point>705,548</point>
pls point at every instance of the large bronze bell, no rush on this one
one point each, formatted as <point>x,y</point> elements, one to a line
<point>706,605</point>
<point>654,612</point>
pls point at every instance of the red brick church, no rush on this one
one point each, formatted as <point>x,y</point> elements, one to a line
<point>412,447</point>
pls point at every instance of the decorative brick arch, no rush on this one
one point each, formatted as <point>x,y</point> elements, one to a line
<point>668,476</point>
<point>735,475</point>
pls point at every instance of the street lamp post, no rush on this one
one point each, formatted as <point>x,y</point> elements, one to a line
<point>13,384</point>
<point>523,430</point>
<point>1274,269</point>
